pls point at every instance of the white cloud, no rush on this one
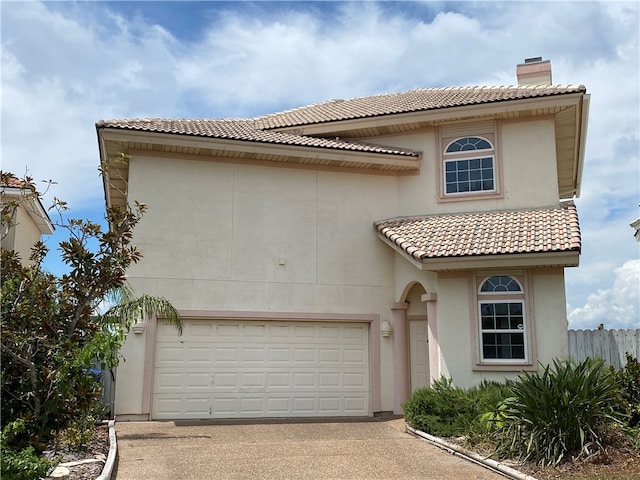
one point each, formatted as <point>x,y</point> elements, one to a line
<point>90,61</point>
<point>615,307</point>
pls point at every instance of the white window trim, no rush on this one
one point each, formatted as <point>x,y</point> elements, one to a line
<point>524,331</point>
<point>449,157</point>
<point>449,133</point>
<point>525,296</point>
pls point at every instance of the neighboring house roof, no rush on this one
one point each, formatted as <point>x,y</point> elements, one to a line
<point>636,226</point>
<point>438,237</point>
<point>14,187</point>
<point>9,180</point>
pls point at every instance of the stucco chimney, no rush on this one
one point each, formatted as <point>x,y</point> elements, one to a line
<point>534,71</point>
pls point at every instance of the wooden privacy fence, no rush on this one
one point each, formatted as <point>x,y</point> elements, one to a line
<point>611,345</point>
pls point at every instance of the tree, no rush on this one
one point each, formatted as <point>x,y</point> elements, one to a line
<point>52,331</point>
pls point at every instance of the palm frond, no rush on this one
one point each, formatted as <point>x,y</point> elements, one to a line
<point>130,310</point>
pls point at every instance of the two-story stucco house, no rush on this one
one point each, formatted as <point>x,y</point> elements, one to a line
<point>329,259</point>
<point>27,220</point>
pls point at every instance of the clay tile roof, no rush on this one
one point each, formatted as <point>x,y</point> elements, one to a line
<point>243,129</point>
<point>262,129</point>
<point>10,180</point>
<point>422,99</point>
<point>541,230</point>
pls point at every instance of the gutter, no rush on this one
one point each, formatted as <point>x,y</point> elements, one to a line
<point>471,456</point>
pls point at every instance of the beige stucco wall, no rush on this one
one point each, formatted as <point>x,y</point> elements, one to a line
<point>226,229</point>
<point>22,235</point>
<point>546,317</point>
<point>551,314</point>
<point>219,236</point>
<point>526,151</point>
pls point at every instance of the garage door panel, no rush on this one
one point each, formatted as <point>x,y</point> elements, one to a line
<point>256,354</point>
<point>355,380</point>
<point>304,355</point>
<point>329,356</point>
<point>355,404</point>
<point>279,379</point>
<point>329,380</point>
<point>235,369</point>
<point>352,356</point>
<point>278,406</point>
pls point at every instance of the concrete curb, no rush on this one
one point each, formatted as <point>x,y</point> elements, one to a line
<point>113,451</point>
<point>471,456</point>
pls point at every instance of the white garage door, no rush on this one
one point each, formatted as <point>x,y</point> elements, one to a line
<point>232,369</point>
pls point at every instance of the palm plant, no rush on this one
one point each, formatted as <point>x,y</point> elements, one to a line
<point>114,324</point>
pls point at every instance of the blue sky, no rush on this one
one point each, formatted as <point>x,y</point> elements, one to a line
<point>66,65</point>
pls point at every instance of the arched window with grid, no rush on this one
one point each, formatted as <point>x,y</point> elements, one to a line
<point>469,166</point>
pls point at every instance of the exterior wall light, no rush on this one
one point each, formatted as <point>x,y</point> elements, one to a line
<point>138,328</point>
<point>385,329</point>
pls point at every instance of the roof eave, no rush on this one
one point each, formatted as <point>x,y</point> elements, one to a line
<point>586,102</point>
<point>436,115</point>
<point>34,208</point>
<point>404,161</point>
<point>569,258</point>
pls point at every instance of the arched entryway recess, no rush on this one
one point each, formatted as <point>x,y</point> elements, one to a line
<point>416,359</point>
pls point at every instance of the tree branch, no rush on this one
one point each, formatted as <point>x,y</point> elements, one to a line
<point>32,371</point>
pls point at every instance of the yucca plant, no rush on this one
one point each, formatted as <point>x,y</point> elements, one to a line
<point>561,410</point>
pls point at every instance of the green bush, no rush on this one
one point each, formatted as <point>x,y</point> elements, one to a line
<point>445,410</point>
<point>629,378</point>
<point>21,464</point>
<point>558,411</point>
<point>78,434</point>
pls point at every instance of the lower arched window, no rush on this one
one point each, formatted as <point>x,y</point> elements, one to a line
<point>502,318</point>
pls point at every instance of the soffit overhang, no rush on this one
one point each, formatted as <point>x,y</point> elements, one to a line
<point>32,205</point>
<point>528,260</point>
<point>113,142</point>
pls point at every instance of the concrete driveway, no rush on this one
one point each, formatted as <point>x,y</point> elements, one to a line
<point>331,449</point>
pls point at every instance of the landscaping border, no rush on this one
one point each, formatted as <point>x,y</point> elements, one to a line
<point>494,465</point>
<point>113,452</point>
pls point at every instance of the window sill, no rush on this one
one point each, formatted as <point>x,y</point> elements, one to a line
<point>505,367</point>
<point>467,197</point>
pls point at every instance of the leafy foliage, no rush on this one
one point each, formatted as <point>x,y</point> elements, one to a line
<point>558,411</point>
<point>52,332</point>
<point>47,322</point>
<point>79,433</point>
<point>24,464</point>
<point>445,410</point>
<point>629,378</point>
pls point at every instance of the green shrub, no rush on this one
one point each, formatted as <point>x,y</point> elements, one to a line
<point>22,464</point>
<point>559,411</point>
<point>629,378</point>
<point>78,434</point>
<point>445,410</point>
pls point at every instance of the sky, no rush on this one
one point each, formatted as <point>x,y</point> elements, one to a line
<point>66,65</point>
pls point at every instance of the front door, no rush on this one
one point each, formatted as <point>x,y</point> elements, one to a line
<point>419,353</point>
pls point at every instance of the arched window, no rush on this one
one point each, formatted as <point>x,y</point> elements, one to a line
<point>469,166</point>
<point>503,335</point>
<point>500,284</point>
<point>468,143</point>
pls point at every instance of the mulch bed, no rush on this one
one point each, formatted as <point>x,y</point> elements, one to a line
<point>97,449</point>
<point>621,462</point>
<point>612,464</point>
